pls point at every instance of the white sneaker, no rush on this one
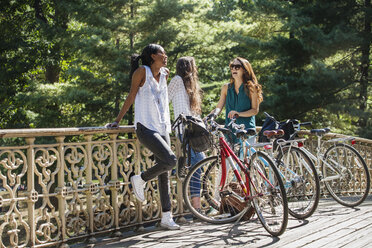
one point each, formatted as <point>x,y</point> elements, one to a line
<point>138,185</point>
<point>168,222</point>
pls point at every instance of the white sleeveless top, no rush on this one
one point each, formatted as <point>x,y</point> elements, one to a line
<point>151,106</point>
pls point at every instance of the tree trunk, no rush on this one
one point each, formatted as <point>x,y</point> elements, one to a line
<point>60,17</point>
<point>118,93</point>
<point>365,61</point>
<point>131,38</point>
<point>52,73</point>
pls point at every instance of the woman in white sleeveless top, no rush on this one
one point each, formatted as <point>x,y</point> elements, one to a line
<point>149,93</point>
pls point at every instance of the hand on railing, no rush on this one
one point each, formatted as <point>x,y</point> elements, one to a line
<point>114,124</point>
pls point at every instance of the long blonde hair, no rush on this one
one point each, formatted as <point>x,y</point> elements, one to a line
<point>187,70</point>
<point>249,79</point>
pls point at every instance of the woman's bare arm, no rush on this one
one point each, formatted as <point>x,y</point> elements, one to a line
<point>221,102</point>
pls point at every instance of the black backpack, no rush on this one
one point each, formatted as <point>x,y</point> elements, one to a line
<point>288,129</point>
<point>197,135</point>
<point>272,124</point>
<point>269,124</point>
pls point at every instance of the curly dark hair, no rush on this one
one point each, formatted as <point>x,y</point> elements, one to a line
<point>145,57</point>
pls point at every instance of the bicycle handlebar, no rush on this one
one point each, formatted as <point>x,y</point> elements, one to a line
<point>267,115</point>
<point>308,123</point>
<point>178,121</point>
<point>234,125</point>
<point>216,127</point>
<point>183,119</point>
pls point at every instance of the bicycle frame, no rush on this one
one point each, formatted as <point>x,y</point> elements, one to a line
<point>319,158</point>
<point>232,188</point>
<point>287,184</point>
<point>248,149</point>
<point>228,155</point>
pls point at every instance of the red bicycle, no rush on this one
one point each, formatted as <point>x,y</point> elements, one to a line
<point>229,187</point>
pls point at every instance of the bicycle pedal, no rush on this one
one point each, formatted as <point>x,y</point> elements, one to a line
<point>181,161</point>
<point>181,169</point>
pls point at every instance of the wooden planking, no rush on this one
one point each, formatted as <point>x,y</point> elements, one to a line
<point>332,225</point>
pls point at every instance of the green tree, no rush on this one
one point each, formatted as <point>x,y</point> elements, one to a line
<point>19,54</point>
<point>80,73</point>
<point>316,57</point>
<point>66,63</point>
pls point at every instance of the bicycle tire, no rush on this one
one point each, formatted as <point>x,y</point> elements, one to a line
<point>207,171</point>
<point>269,201</point>
<point>301,181</point>
<point>358,178</point>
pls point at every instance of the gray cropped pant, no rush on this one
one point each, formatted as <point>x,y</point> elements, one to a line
<point>165,160</point>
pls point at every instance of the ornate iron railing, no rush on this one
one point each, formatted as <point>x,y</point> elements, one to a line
<point>60,185</point>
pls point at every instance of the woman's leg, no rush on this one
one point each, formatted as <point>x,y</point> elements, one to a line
<point>160,147</point>
<point>164,190</point>
<point>195,184</point>
<point>163,182</point>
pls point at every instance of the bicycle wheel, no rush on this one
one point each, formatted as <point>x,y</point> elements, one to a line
<point>346,175</point>
<point>301,181</point>
<point>207,197</point>
<point>268,193</point>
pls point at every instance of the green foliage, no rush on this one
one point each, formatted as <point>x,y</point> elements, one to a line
<point>66,63</point>
<point>314,61</point>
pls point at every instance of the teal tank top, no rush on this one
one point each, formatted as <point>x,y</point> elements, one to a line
<point>240,103</point>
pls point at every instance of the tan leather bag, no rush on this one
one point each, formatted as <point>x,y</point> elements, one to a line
<point>232,204</point>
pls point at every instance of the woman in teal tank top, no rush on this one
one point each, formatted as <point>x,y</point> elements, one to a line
<point>242,96</point>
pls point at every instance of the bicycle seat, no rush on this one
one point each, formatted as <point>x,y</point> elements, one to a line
<point>320,131</point>
<point>251,131</point>
<point>241,133</point>
<point>273,133</point>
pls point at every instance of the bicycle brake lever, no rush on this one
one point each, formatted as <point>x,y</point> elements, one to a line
<point>233,120</point>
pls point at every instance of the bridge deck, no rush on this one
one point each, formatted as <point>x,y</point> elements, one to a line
<point>332,225</point>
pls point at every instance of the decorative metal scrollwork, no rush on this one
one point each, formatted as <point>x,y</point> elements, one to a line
<point>78,177</point>
<point>14,230</point>
<point>77,217</point>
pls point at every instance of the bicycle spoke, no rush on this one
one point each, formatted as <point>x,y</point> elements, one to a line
<point>268,194</point>
<point>301,181</point>
<point>349,184</point>
<point>218,204</point>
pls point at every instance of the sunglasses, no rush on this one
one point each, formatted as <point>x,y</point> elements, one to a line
<point>235,67</point>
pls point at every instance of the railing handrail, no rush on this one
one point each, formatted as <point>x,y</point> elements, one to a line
<point>39,132</point>
<point>336,135</point>
<point>331,135</point>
